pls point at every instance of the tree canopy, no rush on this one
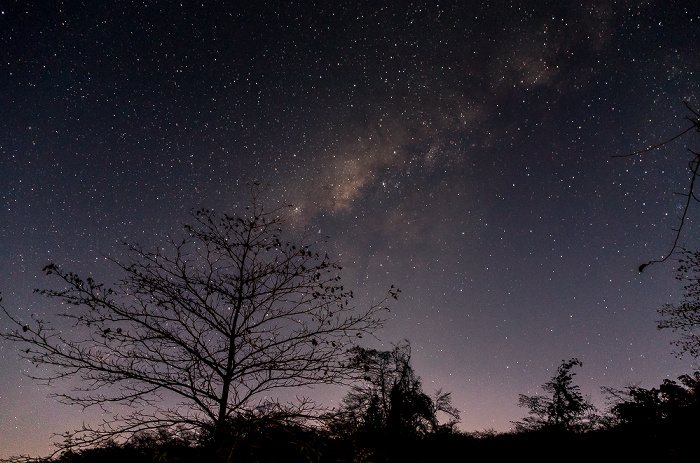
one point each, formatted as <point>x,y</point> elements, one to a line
<point>390,397</point>
<point>563,409</point>
<point>672,400</point>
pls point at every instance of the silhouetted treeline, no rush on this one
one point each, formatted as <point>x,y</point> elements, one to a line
<point>660,423</point>
<point>282,444</point>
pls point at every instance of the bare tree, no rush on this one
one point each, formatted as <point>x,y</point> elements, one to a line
<point>200,331</point>
<point>693,167</point>
<point>685,316</point>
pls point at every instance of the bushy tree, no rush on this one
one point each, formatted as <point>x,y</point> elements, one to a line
<point>671,401</point>
<point>563,409</point>
<point>390,397</point>
<point>201,329</point>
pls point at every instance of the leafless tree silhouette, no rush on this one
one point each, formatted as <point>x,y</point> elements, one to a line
<point>693,167</point>
<point>201,330</point>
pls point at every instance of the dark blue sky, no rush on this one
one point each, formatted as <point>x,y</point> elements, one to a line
<point>461,151</point>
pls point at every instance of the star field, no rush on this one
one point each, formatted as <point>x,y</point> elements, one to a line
<point>462,151</point>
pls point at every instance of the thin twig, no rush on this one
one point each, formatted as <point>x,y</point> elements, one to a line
<point>693,166</point>
<point>655,146</point>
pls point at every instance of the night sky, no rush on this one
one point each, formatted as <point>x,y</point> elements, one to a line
<point>462,151</point>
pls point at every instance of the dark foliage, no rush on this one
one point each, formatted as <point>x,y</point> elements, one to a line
<point>564,409</point>
<point>293,444</point>
<point>684,318</point>
<point>390,397</point>
<point>269,442</point>
<point>673,401</point>
<point>663,419</point>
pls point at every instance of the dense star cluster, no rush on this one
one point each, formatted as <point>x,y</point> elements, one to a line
<point>462,151</point>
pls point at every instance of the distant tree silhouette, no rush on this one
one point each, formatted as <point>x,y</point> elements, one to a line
<point>390,397</point>
<point>672,401</point>
<point>200,330</point>
<point>563,409</point>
